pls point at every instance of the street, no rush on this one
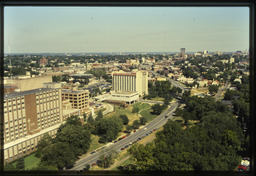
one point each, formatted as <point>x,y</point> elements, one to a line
<point>151,126</point>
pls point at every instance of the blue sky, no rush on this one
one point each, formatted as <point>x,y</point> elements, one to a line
<point>125,29</point>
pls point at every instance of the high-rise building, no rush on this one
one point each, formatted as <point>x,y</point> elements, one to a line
<point>182,50</point>
<point>27,116</point>
<point>130,82</point>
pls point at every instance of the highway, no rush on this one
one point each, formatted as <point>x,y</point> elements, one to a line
<point>117,146</point>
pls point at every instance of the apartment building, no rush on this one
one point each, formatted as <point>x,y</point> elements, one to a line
<point>79,99</point>
<point>130,82</point>
<point>27,116</point>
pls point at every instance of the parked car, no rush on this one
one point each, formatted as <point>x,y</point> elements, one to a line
<point>92,152</point>
<point>93,164</point>
<point>115,141</point>
<point>122,148</point>
<point>138,139</point>
<point>126,146</point>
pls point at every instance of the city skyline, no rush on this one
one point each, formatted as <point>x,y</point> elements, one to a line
<point>125,29</point>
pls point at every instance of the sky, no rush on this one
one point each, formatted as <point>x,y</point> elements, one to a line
<point>125,29</point>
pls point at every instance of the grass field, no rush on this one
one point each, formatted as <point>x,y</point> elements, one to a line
<point>95,144</point>
<point>143,107</point>
<point>126,162</point>
<point>157,99</point>
<point>30,161</point>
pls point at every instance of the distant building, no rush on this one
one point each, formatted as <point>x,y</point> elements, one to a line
<point>29,83</point>
<point>231,60</point>
<point>182,50</point>
<point>130,82</point>
<point>43,61</point>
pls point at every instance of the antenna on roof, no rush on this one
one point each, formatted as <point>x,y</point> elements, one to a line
<point>10,61</point>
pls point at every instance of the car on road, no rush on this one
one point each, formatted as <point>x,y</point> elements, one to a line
<point>92,152</point>
<point>103,147</point>
<point>134,131</point>
<point>120,139</point>
<point>126,146</point>
<point>122,148</point>
<point>115,141</point>
<point>166,116</point>
<point>145,128</point>
<point>123,137</point>
<point>150,132</point>
<point>134,142</point>
<point>146,134</point>
<point>93,164</point>
<point>138,139</point>
<point>154,129</point>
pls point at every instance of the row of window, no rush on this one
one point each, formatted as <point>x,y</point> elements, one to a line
<point>12,105</point>
<point>14,99</point>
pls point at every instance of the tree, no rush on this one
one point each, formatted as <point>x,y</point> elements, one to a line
<point>90,119</point>
<point>124,118</point>
<point>87,167</point>
<point>143,120</point>
<point>129,128</point>
<point>135,109</point>
<point>213,88</point>
<point>18,71</point>
<point>77,138</point>
<point>99,116</point>
<point>136,124</point>
<point>59,155</point>
<point>108,128</point>
<point>9,167</point>
<point>157,109</point>
<point>44,142</point>
<point>84,115</point>
<point>56,78</point>
<point>20,164</point>
<point>106,160</point>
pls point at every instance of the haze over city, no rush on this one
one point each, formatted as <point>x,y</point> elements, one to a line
<point>125,29</point>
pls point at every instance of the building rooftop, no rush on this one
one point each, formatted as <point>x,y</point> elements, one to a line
<point>23,93</point>
<point>125,74</point>
<point>73,91</point>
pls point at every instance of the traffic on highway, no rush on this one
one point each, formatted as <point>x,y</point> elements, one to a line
<point>126,141</point>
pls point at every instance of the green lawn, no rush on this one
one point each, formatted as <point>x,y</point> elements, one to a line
<point>95,144</point>
<point>146,113</point>
<point>126,162</point>
<point>157,99</point>
<point>30,161</point>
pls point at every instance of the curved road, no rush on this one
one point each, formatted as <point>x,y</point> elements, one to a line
<point>117,146</point>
